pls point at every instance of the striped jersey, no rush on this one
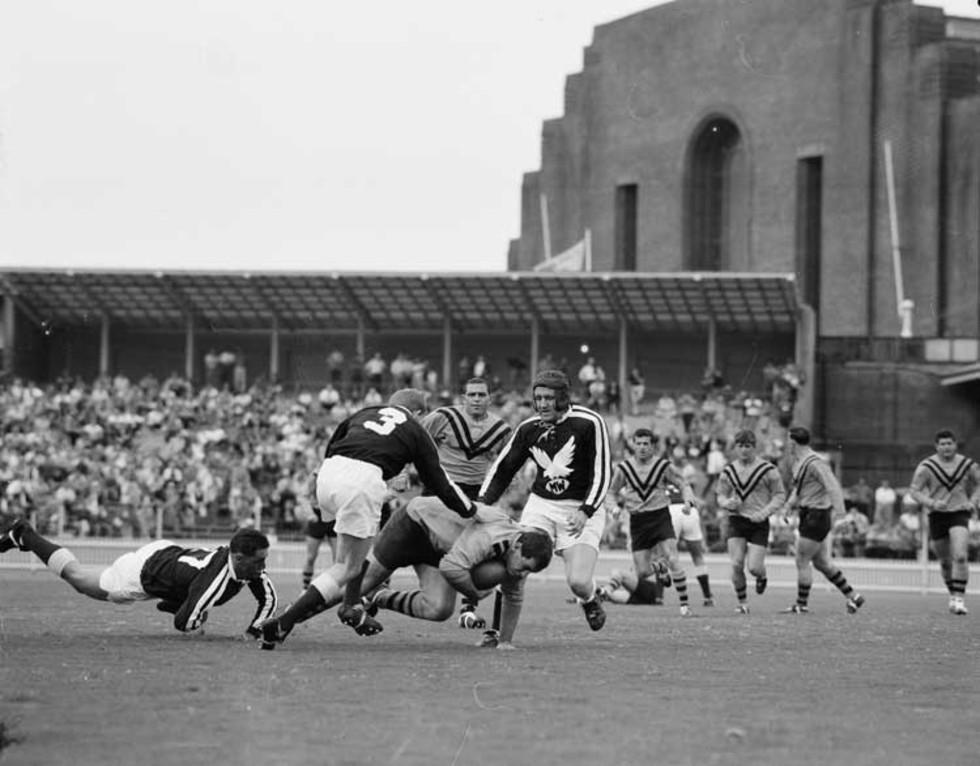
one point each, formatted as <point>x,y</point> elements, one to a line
<point>951,481</point>
<point>466,446</point>
<point>443,528</point>
<point>644,486</point>
<point>480,542</point>
<point>814,483</point>
<point>193,580</point>
<point>757,486</point>
<point>571,456</point>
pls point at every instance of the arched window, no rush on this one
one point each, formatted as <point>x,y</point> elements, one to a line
<point>717,198</point>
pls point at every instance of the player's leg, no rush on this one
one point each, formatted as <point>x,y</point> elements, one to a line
<point>737,548</point>
<point>580,560</point>
<point>434,599</point>
<point>696,550</point>
<point>806,549</point>
<point>959,538</point>
<point>668,549</point>
<point>312,550</point>
<point>755,562</point>
<point>59,560</point>
<point>941,548</point>
<point>823,563</point>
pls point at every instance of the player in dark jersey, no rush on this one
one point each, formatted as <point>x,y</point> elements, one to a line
<point>570,446</point>
<point>187,581</point>
<point>942,484</point>
<point>365,451</point>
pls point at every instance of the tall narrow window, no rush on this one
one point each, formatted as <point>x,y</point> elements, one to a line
<point>717,199</point>
<point>809,214</point>
<point>626,196</point>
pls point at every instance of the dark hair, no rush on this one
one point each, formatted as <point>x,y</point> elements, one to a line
<point>800,435</point>
<point>945,433</point>
<point>641,432</point>
<point>536,544</point>
<point>745,436</point>
<point>248,541</point>
<point>557,381</point>
<point>476,382</point>
<point>412,399</point>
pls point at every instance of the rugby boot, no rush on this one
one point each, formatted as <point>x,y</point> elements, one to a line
<point>357,618</point>
<point>760,584</point>
<point>796,609</point>
<point>11,538</point>
<point>595,615</point>
<point>272,634</point>
<point>742,609</point>
<point>854,603</point>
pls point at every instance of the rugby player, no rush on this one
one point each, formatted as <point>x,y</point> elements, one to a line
<point>187,581</point>
<point>569,445</point>
<point>941,484</point>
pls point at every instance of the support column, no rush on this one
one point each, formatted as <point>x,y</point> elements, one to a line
<point>9,333</point>
<point>806,354</point>
<point>104,346</point>
<point>447,354</point>
<point>623,351</point>
<point>359,339</point>
<point>189,350</point>
<point>712,344</point>
<point>535,351</point>
<point>274,350</point>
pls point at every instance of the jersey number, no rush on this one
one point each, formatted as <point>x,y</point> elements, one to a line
<point>390,419</point>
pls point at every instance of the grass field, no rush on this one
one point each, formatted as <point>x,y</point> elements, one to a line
<point>88,683</point>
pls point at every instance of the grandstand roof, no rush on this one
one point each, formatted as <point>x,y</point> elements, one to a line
<point>561,302</point>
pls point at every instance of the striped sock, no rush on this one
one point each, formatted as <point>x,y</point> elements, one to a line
<point>741,594</point>
<point>680,585</point>
<point>957,587</point>
<point>402,601</point>
<point>840,582</point>
<point>802,593</point>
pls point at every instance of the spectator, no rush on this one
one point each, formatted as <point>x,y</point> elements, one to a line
<point>587,374</point>
<point>374,370</point>
<point>851,533</point>
<point>885,498</point>
<point>335,368</point>
<point>861,496</point>
<point>637,384</point>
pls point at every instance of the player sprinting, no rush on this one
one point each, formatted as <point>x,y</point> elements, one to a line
<point>816,495</point>
<point>569,445</point>
<point>365,451</point>
<point>188,582</point>
<point>687,527</point>
<point>941,484</point>
<point>640,484</point>
<point>468,438</point>
<point>750,490</point>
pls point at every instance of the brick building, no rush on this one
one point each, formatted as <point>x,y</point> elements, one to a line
<point>710,135</point>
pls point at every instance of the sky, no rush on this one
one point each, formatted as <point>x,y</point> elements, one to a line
<point>301,135</point>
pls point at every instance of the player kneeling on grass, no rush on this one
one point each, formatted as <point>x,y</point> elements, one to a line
<point>421,535</point>
<point>188,581</point>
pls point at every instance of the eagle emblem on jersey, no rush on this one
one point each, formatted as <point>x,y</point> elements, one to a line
<point>556,469</point>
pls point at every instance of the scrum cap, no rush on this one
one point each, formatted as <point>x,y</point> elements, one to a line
<point>557,381</point>
<point>411,399</point>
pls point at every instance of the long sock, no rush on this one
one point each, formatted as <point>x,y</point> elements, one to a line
<point>802,593</point>
<point>309,604</point>
<point>741,593</point>
<point>39,546</point>
<point>403,601</point>
<point>957,587</point>
<point>705,585</point>
<point>840,582</point>
<point>946,567</point>
<point>680,585</point>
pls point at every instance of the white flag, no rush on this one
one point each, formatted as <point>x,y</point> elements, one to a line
<point>573,259</point>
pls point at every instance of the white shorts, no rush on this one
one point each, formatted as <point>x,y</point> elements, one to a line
<point>552,516</point>
<point>121,579</point>
<point>686,526</point>
<point>351,492</point>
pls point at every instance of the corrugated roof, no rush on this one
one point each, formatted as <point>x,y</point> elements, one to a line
<point>561,302</point>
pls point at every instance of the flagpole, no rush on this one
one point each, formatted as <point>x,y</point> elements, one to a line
<point>588,249</point>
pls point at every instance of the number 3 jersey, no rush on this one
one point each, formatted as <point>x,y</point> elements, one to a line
<point>390,438</point>
<point>193,580</point>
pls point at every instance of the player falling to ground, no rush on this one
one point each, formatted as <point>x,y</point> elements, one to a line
<point>687,527</point>
<point>365,451</point>
<point>817,495</point>
<point>750,490</point>
<point>468,438</point>
<point>422,535</point>
<point>941,484</point>
<point>187,581</point>
<point>639,484</point>
<point>569,445</point>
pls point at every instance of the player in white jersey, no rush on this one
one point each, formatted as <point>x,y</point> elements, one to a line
<point>687,527</point>
<point>941,484</point>
<point>468,438</point>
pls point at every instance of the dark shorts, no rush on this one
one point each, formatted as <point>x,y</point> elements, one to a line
<point>318,530</point>
<point>651,527</point>
<point>403,542</point>
<point>755,532</point>
<point>940,522</point>
<point>815,523</point>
